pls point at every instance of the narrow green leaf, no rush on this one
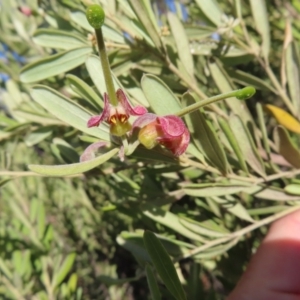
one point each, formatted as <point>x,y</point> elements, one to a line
<point>263,129</point>
<point>286,147</point>
<point>109,33</point>
<point>169,220</point>
<point>213,189</point>
<point>293,189</point>
<point>204,136</point>
<point>145,19</point>
<point>160,97</point>
<point>60,275</point>
<point>272,194</point>
<point>203,228</point>
<point>152,283</point>
<point>292,57</point>
<point>85,91</point>
<point>246,144</point>
<point>231,205</point>
<point>211,10</point>
<point>94,67</point>
<point>58,39</point>
<point>225,85</point>
<point>260,15</point>
<point>67,111</point>
<point>234,144</point>
<point>163,265</point>
<point>182,43</point>
<point>246,79</point>
<point>37,136</point>
<point>71,169</point>
<point>54,65</point>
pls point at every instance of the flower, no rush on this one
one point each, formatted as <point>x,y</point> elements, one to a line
<point>117,116</point>
<point>168,131</point>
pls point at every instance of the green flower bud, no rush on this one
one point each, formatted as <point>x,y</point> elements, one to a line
<point>245,93</point>
<point>95,16</point>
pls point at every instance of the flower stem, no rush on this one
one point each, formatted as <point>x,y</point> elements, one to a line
<point>105,67</point>
<point>242,94</point>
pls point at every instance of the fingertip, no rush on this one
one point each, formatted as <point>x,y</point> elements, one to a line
<point>274,269</point>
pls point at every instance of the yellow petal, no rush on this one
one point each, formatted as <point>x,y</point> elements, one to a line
<point>284,118</point>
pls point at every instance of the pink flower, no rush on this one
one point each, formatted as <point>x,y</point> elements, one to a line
<point>25,10</point>
<point>117,116</point>
<point>168,131</point>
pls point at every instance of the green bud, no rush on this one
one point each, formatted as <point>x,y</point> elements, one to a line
<point>245,93</point>
<point>95,16</point>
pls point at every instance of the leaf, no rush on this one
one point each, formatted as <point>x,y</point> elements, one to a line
<point>234,144</point>
<point>232,206</point>
<point>94,67</point>
<point>109,33</point>
<point>263,129</point>
<point>260,15</point>
<point>211,10</point>
<point>37,136</point>
<point>272,194</point>
<point>58,39</point>
<point>54,65</point>
<point>246,144</point>
<point>203,228</point>
<point>284,118</point>
<point>169,220</point>
<point>212,189</point>
<point>182,43</point>
<point>144,16</point>
<point>159,96</point>
<point>293,189</point>
<point>204,136</point>
<point>68,112</point>
<point>246,79</point>
<point>60,275</point>
<point>71,169</point>
<point>292,57</point>
<point>85,91</point>
<point>152,283</point>
<point>163,265</point>
<point>286,147</point>
<point>225,85</point>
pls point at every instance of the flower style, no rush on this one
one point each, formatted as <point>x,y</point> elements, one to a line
<point>168,131</point>
<point>117,116</point>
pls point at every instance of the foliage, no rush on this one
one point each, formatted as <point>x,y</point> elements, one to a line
<point>73,230</point>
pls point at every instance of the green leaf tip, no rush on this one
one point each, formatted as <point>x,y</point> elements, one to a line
<point>245,93</point>
<point>95,16</point>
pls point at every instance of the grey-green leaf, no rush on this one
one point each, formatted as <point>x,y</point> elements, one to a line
<point>152,283</point>
<point>260,15</point>
<point>246,144</point>
<point>160,97</point>
<point>204,136</point>
<point>63,271</point>
<point>58,39</point>
<point>211,10</point>
<point>182,43</point>
<point>293,73</point>
<point>71,169</point>
<point>67,111</point>
<point>163,265</point>
<point>54,65</point>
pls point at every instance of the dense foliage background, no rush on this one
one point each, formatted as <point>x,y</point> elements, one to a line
<point>80,235</point>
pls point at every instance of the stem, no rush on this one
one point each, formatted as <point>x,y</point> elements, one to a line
<point>106,69</point>
<point>192,85</point>
<point>279,88</point>
<point>239,233</point>
<point>207,101</point>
